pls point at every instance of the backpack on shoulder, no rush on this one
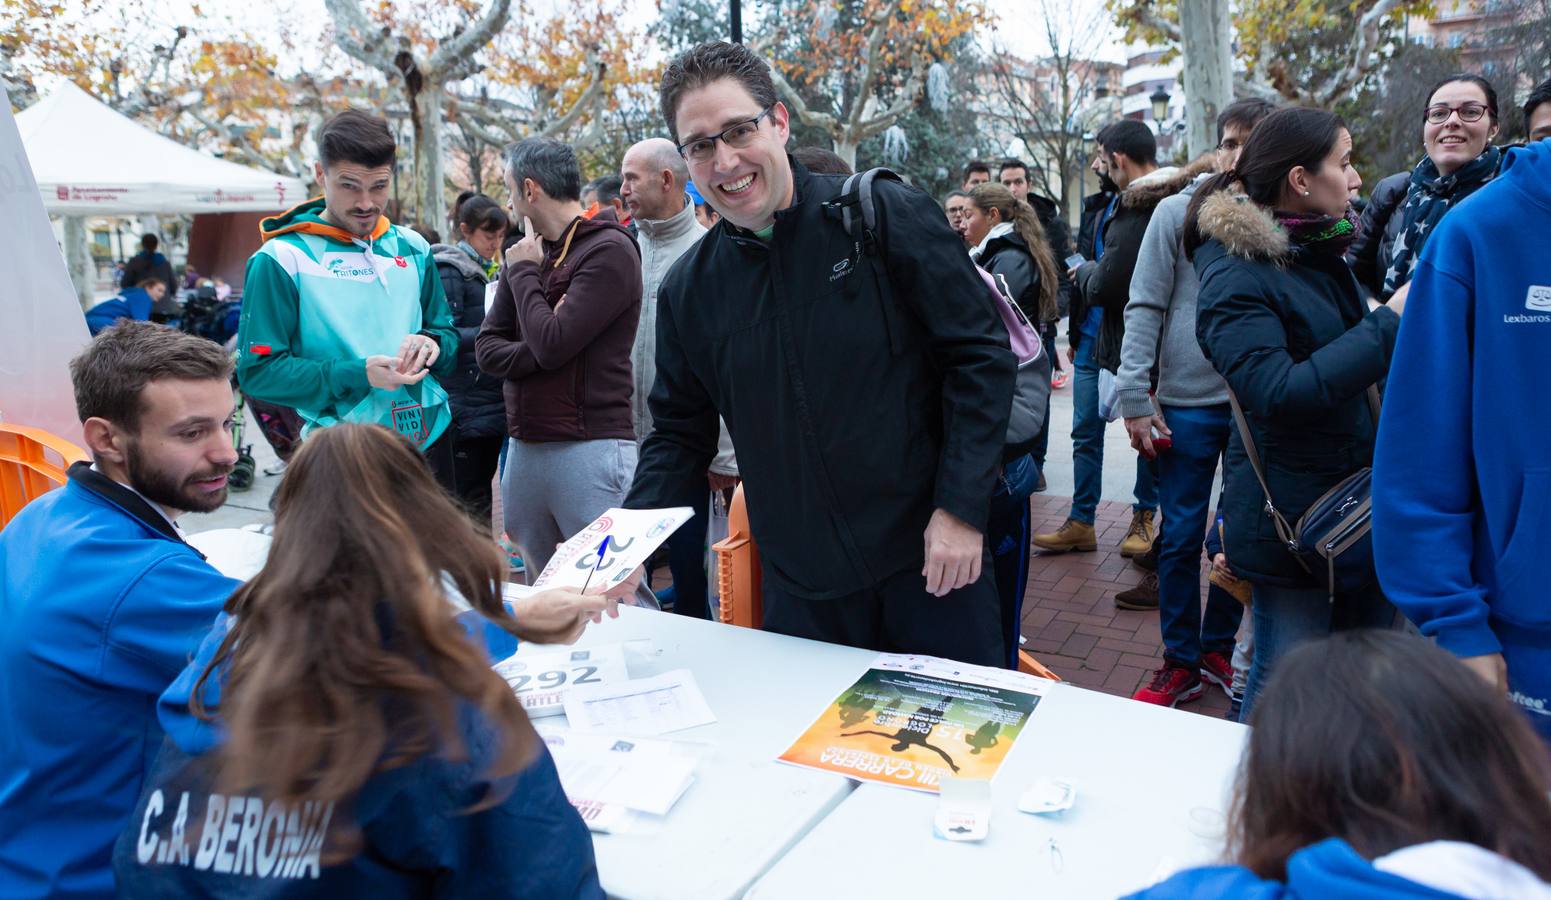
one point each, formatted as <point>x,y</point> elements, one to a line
<point>1031,389</point>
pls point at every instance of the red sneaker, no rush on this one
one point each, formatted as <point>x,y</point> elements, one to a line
<point>1218,669</point>
<point>1170,686</point>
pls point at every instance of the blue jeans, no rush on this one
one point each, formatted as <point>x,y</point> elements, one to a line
<point>1285,617</point>
<point>1185,490</point>
<point>1007,537</point>
<point>1088,443</point>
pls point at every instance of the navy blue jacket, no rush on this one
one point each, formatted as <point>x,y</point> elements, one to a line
<point>1290,332</point>
<point>419,838</point>
<point>101,604</point>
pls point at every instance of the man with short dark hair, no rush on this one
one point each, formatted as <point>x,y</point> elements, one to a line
<point>102,603</point>
<point>148,263</point>
<point>560,333</point>
<point>1014,176</point>
<point>1187,401</point>
<point>1537,112</point>
<point>867,393</point>
<point>1128,156</point>
<point>343,314</point>
<point>607,201</point>
<point>977,172</point>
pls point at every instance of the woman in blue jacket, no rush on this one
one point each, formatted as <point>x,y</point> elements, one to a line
<point>1280,317</point>
<point>340,734</point>
<point>1380,767</point>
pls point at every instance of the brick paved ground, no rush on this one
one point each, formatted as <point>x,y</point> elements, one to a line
<point>1069,615</point>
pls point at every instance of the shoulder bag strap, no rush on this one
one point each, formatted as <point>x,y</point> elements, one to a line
<point>1283,530</point>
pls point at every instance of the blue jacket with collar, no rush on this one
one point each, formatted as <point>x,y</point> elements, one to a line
<point>101,605</point>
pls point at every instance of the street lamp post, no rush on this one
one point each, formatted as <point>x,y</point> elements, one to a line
<point>1160,105</point>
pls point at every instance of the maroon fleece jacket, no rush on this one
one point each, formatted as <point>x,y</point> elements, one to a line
<point>566,364</point>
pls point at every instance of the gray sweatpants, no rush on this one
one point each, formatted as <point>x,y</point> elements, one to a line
<point>551,491</point>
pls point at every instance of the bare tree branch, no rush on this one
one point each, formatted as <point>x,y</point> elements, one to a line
<point>352,30</point>
<point>793,99</point>
<point>1362,59</point>
<point>590,98</point>
<point>458,53</point>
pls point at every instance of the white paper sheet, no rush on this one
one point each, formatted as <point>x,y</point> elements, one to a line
<point>633,534</point>
<point>664,703</point>
<point>621,784</point>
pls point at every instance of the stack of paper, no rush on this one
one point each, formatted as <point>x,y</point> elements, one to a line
<point>613,781</point>
<point>668,702</point>
<point>543,678</point>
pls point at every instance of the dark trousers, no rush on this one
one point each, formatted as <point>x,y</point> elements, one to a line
<point>439,456</point>
<point>475,461</point>
<point>1007,537</point>
<point>897,615</point>
<point>686,557</point>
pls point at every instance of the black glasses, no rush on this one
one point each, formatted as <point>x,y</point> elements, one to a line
<point>1468,112</point>
<point>737,136</point>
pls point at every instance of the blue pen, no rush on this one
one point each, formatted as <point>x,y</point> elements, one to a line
<point>596,563</point>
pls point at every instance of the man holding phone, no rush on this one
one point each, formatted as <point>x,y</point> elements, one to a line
<point>1185,429</point>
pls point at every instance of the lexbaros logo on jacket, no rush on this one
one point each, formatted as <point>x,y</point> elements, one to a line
<point>241,836</point>
<point>341,267</point>
<point>1538,300</point>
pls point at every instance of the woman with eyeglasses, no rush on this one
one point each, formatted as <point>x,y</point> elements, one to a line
<point>1458,126</point>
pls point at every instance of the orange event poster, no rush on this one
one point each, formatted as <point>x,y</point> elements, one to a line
<point>910,721</point>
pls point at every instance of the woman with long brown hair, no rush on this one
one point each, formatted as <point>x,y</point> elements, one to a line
<point>1007,240</point>
<point>340,732</point>
<point>1379,766</point>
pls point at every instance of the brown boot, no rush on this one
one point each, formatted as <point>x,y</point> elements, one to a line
<point>1143,597</point>
<point>1072,535</point>
<point>1139,538</point>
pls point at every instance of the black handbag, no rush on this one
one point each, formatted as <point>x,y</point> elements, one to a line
<point>1332,540</point>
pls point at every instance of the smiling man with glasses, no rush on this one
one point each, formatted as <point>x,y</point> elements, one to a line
<point>866,388</point>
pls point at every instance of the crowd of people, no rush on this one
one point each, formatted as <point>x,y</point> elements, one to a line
<point>723,312</point>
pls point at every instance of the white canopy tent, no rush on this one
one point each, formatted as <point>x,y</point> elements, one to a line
<point>90,160</point>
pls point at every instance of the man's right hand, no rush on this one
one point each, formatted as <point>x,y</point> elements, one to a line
<point>1491,667</point>
<point>382,372</point>
<point>1140,429</point>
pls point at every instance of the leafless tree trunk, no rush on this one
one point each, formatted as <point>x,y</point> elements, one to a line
<point>423,81</point>
<point>1206,35</point>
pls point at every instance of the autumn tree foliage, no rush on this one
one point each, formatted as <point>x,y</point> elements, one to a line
<point>1313,52</point>
<point>852,68</point>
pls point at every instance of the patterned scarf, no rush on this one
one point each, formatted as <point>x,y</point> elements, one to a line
<point>1428,197</point>
<point>1323,234</point>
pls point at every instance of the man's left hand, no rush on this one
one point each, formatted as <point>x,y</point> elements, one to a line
<point>529,249</point>
<point>953,551</point>
<point>417,352</point>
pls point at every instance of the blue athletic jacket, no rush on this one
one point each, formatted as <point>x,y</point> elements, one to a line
<point>1332,870</point>
<point>101,605</point>
<point>418,837</point>
<point>1462,470</point>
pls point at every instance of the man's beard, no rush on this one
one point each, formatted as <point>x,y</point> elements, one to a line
<point>1107,184</point>
<point>163,489</point>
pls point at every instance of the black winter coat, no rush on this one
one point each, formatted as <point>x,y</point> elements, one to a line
<point>862,389</point>
<point>1291,332</point>
<point>1369,254</point>
<point>1107,283</point>
<point>1093,206</point>
<point>1008,255</point>
<point>475,396</point>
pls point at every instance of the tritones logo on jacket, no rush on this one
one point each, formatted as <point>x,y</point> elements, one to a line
<point>343,267</point>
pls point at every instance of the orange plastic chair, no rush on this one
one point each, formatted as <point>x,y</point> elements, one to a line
<point>737,569</point>
<point>738,580</point>
<point>32,463</point>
